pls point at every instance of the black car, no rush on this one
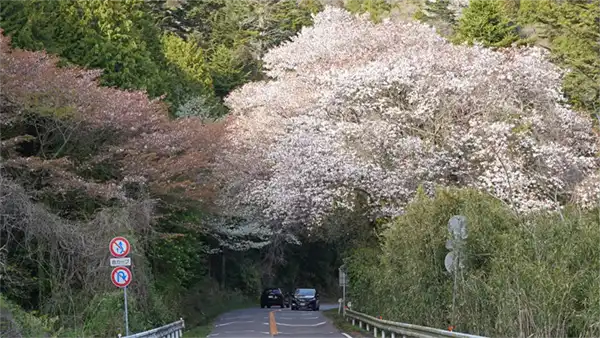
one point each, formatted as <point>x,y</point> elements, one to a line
<point>271,296</point>
<point>305,298</point>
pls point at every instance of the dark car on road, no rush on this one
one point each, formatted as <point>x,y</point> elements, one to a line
<point>305,299</point>
<point>270,297</point>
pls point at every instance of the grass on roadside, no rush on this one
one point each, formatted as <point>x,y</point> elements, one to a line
<point>199,331</point>
<point>344,326</point>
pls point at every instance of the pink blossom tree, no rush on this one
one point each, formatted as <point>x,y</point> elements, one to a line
<point>125,128</point>
<point>382,109</point>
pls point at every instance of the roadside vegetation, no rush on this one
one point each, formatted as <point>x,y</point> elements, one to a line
<point>248,144</point>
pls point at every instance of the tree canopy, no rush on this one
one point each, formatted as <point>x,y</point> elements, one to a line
<point>246,143</point>
<point>355,107</point>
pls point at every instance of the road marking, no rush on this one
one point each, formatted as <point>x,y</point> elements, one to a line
<point>346,335</point>
<point>272,323</point>
<point>302,325</point>
<point>295,334</point>
<point>292,318</point>
<point>234,317</point>
<point>238,322</point>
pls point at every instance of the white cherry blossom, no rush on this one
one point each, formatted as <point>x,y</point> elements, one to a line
<point>384,108</point>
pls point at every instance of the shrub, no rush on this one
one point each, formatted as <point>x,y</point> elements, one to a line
<point>485,21</point>
<point>532,276</point>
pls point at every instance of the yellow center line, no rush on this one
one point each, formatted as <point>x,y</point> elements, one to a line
<point>273,323</point>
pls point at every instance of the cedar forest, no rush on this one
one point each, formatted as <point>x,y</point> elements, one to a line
<point>244,144</point>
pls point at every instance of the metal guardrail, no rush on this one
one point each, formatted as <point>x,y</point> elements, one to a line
<point>173,330</point>
<point>381,328</point>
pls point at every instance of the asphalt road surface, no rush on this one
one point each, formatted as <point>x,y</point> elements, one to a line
<point>263,323</point>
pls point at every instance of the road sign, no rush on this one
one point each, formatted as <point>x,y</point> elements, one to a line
<point>119,247</point>
<point>121,276</point>
<point>449,261</point>
<point>458,226</point>
<point>125,261</point>
<point>343,278</point>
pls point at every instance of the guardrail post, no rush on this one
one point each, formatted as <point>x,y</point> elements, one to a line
<point>382,334</point>
<point>375,331</point>
<point>393,335</point>
<point>359,324</point>
<point>353,321</point>
<point>368,329</point>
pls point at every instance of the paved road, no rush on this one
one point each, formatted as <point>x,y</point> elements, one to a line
<point>256,323</point>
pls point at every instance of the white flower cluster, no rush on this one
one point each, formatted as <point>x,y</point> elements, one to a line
<point>383,108</point>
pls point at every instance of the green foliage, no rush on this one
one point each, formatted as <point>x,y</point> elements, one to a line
<point>179,258</point>
<point>437,10</point>
<point>292,15</point>
<point>362,268</point>
<point>569,29</point>
<point>14,320</point>
<point>486,21</point>
<point>244,273</point>
<point>572,31</point>
<point>540,272</point>
<point>205,108</point>
<point>187,56</point>
<point>227,69</point>
<point>178,49</point>
<point>177,254</point>
<point>377,9</point>
<point>119,37</point>
<point>104,314</point>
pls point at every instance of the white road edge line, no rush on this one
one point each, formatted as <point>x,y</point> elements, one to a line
<point>301,325</point>
<point>238,322</point>
<point>346,335</point>
<point>292,318</point>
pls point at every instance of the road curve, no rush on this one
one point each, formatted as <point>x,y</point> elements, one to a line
<point>264,323</point>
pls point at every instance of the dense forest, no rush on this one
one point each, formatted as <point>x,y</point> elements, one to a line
<point>252,143</point>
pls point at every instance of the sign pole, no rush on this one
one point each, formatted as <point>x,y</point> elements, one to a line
<point>119,248</point>
<point>126,313</point>
<point>344,299</point>
<point>342,281</point>
<point>457,226</point>
<point>454,291</point>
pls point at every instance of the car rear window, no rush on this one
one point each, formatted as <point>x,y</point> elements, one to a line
<point>305,292</point>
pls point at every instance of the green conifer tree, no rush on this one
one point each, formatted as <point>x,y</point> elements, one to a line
<point>486,22</point>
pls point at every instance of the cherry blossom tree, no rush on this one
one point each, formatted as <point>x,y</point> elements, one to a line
<point>354,107</point>
<point>97,126</point>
